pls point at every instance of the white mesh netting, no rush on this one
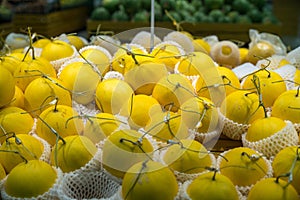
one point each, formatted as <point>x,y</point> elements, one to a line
<point>270,146</point>
<point>51,194</point>
<point>294,57</point>
<point>233,130</point>
<point>87,185</point>
<point>244,69</point>
<point>287,72</point>
<point>271,62</point>
<point>182,177</point>
<point>244,190</point>
<point>113,74</point>
<point>205,137</point>
<point>184,195</point>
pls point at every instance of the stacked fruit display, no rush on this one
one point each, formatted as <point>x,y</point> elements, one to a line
<point>191,11</point>
<point>146,116</point>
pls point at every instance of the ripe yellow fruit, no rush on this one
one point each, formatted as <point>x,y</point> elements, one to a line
<point>7,87</point>
<point>122,149</point>
<point>263,128</point>
<point>149,180</point>
<point>173,90</point>
<point>188,156</point>
<point>81,79</point>
<point>287,106</point>
<point>260,50</point>
<point>112,94</point>
<point>30,148</point>
<point>41,91</point>
<point>15,120</point>
<point>200,113</point>
<point>270,188</point>
<point>27,71</point>
<point>99,56</point>
<point>41,43</point>
<point>61,119</point>
<point>226,53</point>
<point>201,45</point>
<point>283,163</point>
<point>271,85</point>
<point>212,186</point>
<point>243,54</point>
<point>143,78</point>
<point>139,110</point>
<point>195,64</point>
<point>72,153</point>
<point>18,99</point>
<point>12,60</point>
<point>243,166</point>
<point>37,178</point>
<point>168,53</point>
<point>76,41</point>
<point>2,172</point>
<point>100,126</point>
<point>56,50</point>
<point>167,126</point>
<point>123,61</point>
<point>242,107</point>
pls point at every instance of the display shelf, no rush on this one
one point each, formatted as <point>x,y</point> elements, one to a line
<point>55,23</point>
<point>6,28</point>
<point>222,30</point>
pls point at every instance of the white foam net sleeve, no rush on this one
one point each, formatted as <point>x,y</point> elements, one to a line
<point>182,177</point>
<point>184,195</point>
<point>294,57</point>
<point>270,146</point>
<point>297,127</point>
<point>233,130</point>
<point>244,190</point>
<point>113,74</point>
<point>85,110</point>
<point>87,185</point>
<point>272,62</point>
<point>47,149</point>
<point>244,70</point>
<point>51,194</point>
<point>287,72</point>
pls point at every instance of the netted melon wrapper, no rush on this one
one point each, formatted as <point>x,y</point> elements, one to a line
<point>51,194</point>
<point>183,177</point>
<point>233,130</point>
<point>58,63</point>
<point>270,146</point>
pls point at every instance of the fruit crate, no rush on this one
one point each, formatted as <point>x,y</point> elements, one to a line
<point>53,24</point>
<point>229,31</point>
<point>6,28</point>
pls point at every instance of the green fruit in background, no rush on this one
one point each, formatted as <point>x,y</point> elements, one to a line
<point>110,5</point>
<point>255,15</point>
<point>233,16</point>
<point>146,4</point>
<point>120,15</point>
<point>216,15</point>
<point>174,14</point>
<point>5,14</point>
<point>214,4</point>
<point>242,6</point>
<point>196,4</point>
<point>100,13</point>
<point>243,19</point>
<point>258,3</point>
<point>131,6</point>
<point>168,4</point>
<point>142,16</point>
<point>183,5</point>
<point>199,16</point>
<point>158,11</point>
